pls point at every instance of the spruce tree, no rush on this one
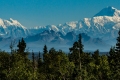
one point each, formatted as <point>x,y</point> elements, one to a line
<point>45,60</point>
<point>76,56</point>
<point>33,61</point>
<point>95,56</point>
<point>21,46</point>
<point>114,59</point>
<point>111,60</point>
<point>117,50</point>
<point>111,57</point>
<point>80,45</point>
<point>45,51</point>
<point>39,60</point>
<point>117,56</point>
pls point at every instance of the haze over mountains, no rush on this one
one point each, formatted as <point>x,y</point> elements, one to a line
<point>98,32</point>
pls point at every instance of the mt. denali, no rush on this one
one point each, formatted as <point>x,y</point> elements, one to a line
<point>101,28</point>
<point>104,24</point>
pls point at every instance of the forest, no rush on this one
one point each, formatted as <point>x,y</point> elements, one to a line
<point>58,65</point>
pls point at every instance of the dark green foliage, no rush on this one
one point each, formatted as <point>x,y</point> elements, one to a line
<point>21,46</point>
<point>39,60</point>
<point>14,67</point>
<point>117,53</point>
<point>76,51</point>
<point>33,61</point>
<point>117,50</point>
<point>78,57</point>
<point>118,43</point>
<point>45,51</point>
<point>4,65</point>
<point>96,57</point>
<point>56,65</point>
<point>111,57</point>
<point>114,59</point>
<point>80,45</point>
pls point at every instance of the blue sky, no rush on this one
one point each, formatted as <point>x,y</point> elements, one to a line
<point>31,13</point>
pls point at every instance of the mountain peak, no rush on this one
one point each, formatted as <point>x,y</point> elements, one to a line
<point>15,22</point>
<point>12,28</point>
<point>110,8</point>
<point>108,11</point>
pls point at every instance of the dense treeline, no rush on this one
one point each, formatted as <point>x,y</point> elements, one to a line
<point>56,65</point>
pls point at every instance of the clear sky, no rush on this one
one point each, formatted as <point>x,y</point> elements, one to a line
<point>31,13</point>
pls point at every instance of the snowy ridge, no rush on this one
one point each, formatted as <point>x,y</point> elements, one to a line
<point>105,23</point>
<point>12,28</point>
<point>99,26</point>
<point>99,31</point>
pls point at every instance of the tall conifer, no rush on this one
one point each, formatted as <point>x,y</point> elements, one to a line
<point>21,46</point>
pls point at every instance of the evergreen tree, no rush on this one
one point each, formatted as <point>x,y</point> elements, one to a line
<point>19,69</point>
<point>33,61</point>
<point>111,58</point>
<point>117,56</point>
<point>45,61</point>
<point>96,57</point>
<point>12,45</point>
<point>4,65</point>
<point>45,54</point>
<point>114,59</point>
<point>80,45</point>
<point>45,50</point>
<point>39,60</point>
<point>117,49</point>
<point>41,68</point>
<point>76,56</point>
<point>21,46</point>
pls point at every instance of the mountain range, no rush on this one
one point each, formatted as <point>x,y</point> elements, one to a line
<point>99,31</point>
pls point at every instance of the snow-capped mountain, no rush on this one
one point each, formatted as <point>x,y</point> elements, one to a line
<point>39,29</point>
<point>45,36</point>
<point>99,31</point>
<point>12,28</point>
<point>109,11</point>
<point>105,24</point>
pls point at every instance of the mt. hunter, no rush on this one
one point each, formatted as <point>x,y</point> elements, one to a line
<point>98,32</point>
